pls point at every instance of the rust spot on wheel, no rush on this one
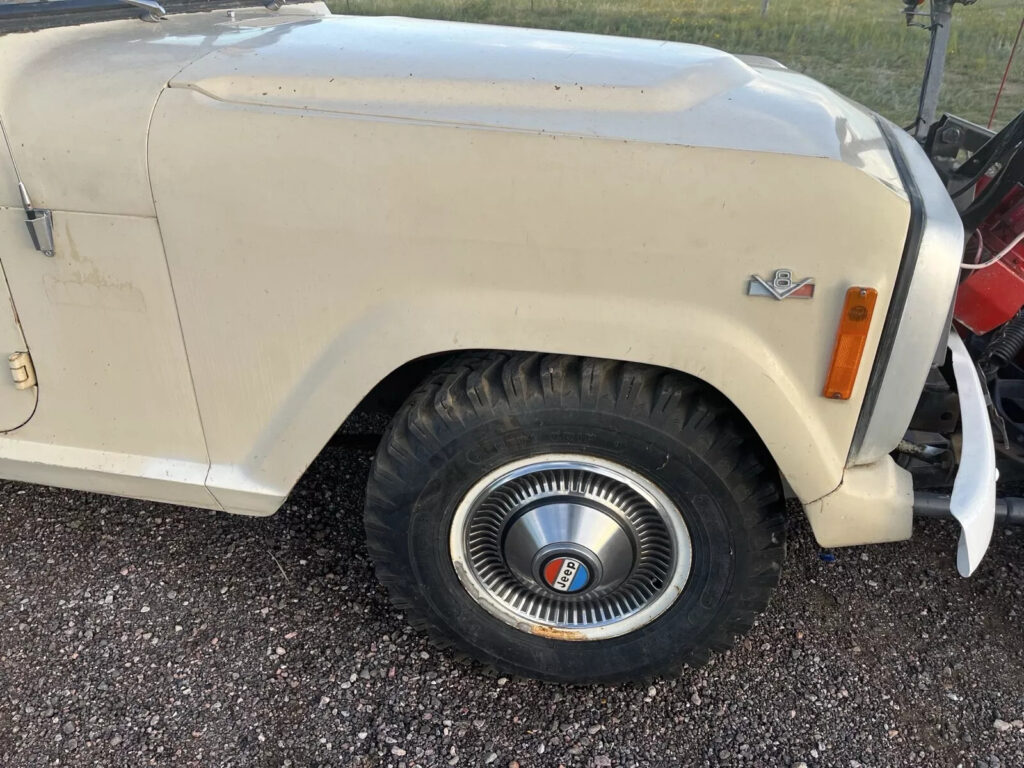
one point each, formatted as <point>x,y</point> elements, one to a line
<point>554,633</point>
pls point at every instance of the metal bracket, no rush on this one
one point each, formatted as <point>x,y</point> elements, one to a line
<point>40,227</point>
<point>39,222</point>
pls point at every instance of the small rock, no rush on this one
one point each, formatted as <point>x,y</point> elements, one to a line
<point>491,757</point>
<point>397,751</point>
<point>1001,725</point>
<point>68,727</point>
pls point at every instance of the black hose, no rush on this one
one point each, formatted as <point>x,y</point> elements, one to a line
<point>1009,510</point>
<point>1005,345</point>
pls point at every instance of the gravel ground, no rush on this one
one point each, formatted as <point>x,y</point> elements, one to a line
<point>134,633</point>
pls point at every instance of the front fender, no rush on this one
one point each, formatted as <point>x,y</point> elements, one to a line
<point>714,348</point>
<point>312,254</point>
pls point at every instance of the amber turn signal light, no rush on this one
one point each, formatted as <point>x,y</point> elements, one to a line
<point>854,324</point>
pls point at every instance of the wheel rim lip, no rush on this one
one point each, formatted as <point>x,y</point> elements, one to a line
<point>482,594</point>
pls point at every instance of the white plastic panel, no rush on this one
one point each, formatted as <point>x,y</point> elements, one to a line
<point>973,501</point>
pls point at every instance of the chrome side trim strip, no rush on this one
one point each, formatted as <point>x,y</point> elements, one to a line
<point>911,250</point>
<point>924,289</point>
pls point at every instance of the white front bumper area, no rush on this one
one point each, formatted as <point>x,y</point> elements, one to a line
<point>973,501</point>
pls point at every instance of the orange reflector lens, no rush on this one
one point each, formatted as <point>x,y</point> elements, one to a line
<point>854,324</point>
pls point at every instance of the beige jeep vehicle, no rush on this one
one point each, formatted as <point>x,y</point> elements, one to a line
<point>619,297</point>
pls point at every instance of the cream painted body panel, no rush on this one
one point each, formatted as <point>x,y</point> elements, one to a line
<point>258,219</point>
<point>16,405</point>
<point>77,100</point>
<point>116,409</point>
<point>540,81</point>
<point>8,178</point>
<point>103,169</point>
<point>376,241</point>
<point>874,505</point>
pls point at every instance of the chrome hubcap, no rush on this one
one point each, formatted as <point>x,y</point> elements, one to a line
<point>571,547</point>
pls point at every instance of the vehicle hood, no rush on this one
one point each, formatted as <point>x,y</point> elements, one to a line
<point>79,134</point>
<point>537,80</point>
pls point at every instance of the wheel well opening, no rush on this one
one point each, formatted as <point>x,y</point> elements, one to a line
<point>373,413</point>
<point>370,418</point>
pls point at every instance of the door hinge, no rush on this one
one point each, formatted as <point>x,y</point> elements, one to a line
<point>39,222</point>
<point>22,370</point>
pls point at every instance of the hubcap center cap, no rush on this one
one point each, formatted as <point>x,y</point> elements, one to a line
<point>566,573</point>
<point>569,546</point>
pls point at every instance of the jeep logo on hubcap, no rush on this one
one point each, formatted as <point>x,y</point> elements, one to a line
<point>566,574</point>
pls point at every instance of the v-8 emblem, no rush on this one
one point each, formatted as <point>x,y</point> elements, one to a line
<point>782,286</point>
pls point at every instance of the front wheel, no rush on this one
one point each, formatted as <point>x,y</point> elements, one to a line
<point>574,520</point>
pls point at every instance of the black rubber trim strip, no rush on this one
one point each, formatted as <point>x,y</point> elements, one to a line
<point>904,276</point>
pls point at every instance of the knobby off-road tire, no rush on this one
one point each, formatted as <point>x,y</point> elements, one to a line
<point>676,532</point>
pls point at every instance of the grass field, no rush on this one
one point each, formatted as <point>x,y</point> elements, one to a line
<point>859,47</point>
